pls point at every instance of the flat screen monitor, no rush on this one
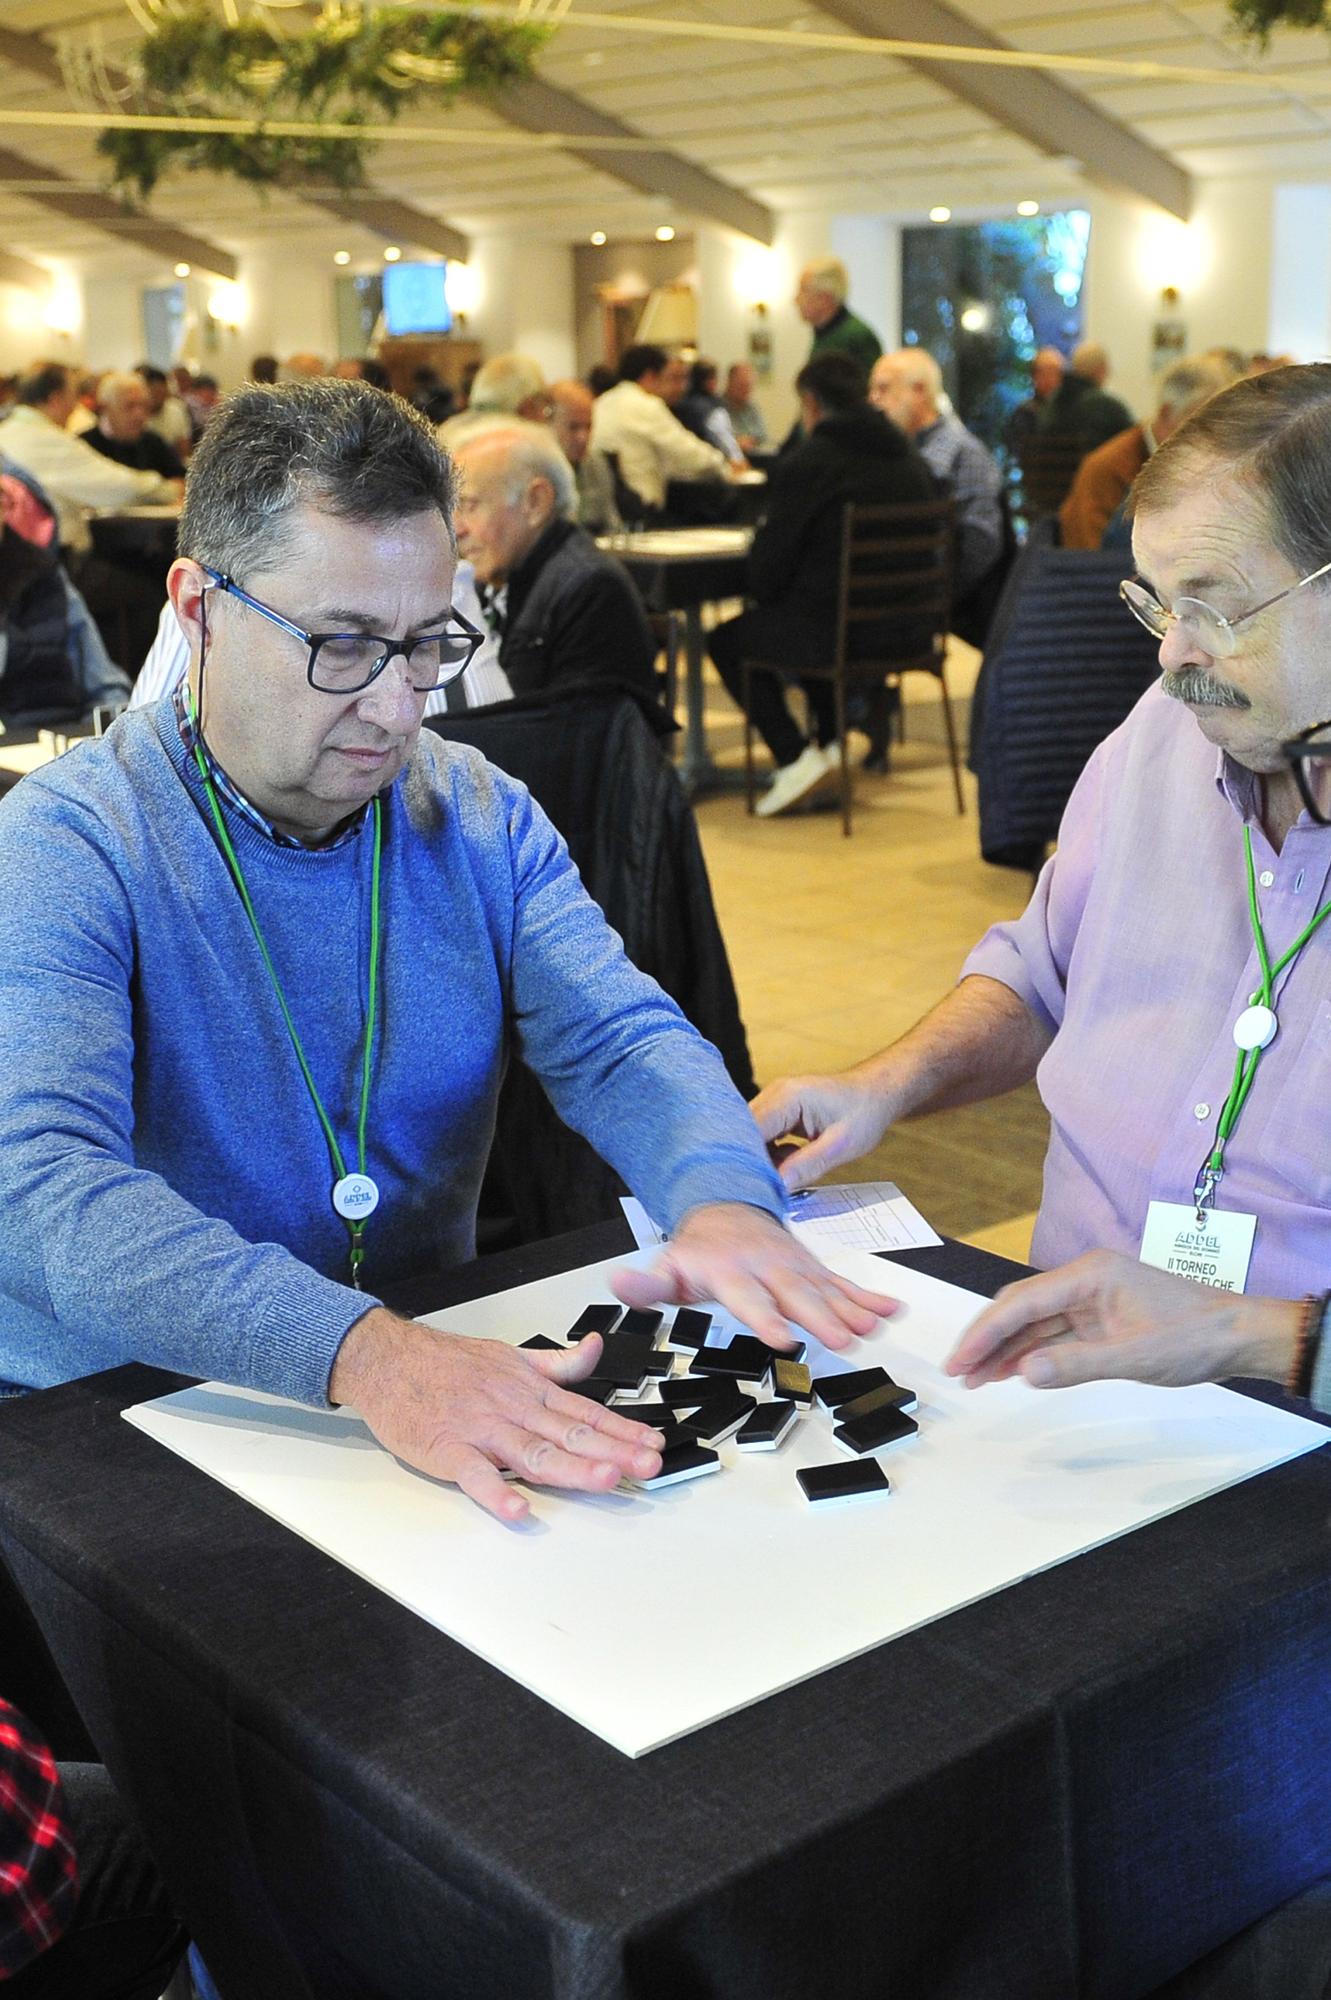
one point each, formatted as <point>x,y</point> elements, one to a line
<point>415,300</point>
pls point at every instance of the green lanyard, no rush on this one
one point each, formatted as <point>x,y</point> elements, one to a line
<point>355,1229</point>
<point>1245,1068</point>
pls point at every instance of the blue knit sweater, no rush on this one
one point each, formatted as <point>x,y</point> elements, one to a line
<point>165,1183</point>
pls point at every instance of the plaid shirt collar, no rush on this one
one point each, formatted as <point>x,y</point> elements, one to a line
<point>232,793</point>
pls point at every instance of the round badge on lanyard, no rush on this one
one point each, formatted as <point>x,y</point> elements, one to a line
<point>1255,1028</point>
<point>355,1196</point>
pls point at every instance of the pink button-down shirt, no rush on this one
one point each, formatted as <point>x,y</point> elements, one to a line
<point>1136,947</point>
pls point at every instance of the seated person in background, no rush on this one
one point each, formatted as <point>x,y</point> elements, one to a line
<point>1106,1315</point>
<point>746,419</point>
<point>702,411</point>
<point>167,414</point>
<point>431,395</point>
<point>1187,859</point>
<point>600,378</point>
<point>202,401</point>
<point>634,424</point>
<point>1047,368</point>
<point>1105,474</point>
<point>82,1912</point>
<point>264,369</point>
<point>907,387</point>
<point>1081,407</point>
<point>229,856</point>
<point>563,610</point>
<point>121,430</point>
<point>571,407</point>
<point>304,367</point>
<point>509,385</point>
<point>83,416</point>
<point>850,452</point>
<point>78,480</point>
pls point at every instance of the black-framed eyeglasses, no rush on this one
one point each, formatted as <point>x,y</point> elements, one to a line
<point>346,662</point>
<point>1307,754</point>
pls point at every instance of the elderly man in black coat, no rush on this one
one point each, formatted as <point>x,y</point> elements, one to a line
<point>563,610</point>
<point>850,452</point>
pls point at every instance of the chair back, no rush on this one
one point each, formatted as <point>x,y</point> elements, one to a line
<point>1048,468</point>
<point>1065,665</point>
<point>894,603</point>
<point>634,511</point>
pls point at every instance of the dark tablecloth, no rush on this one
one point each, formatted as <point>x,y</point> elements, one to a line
<point>1074,1788</point>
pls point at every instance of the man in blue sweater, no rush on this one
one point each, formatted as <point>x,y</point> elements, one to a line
<point>263,952</point>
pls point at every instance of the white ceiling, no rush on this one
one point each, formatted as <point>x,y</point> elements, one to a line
<point>794,129</point>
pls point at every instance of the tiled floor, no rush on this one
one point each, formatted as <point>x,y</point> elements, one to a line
<point>838,945</point>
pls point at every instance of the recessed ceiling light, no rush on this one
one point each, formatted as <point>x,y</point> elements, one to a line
<point>940,215</point>
<point>665,234</point>
<point>341,256</point>
<point>1028,208</point>
<point>598,237</point>
<point>392,254</point>
<point>182,270</point>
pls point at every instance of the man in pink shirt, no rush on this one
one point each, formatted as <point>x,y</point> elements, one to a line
<point>1186,1083</point>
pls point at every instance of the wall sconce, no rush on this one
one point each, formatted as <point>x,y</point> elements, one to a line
<point>228,305</point>
<point>462,290</point>
<point>756,280</point>
<point>64,306</point>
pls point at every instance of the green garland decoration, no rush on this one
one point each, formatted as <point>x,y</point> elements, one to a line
<point>351,66</point>
<point>1258,18</point>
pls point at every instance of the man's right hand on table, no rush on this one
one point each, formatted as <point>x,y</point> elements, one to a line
<point>467,1410</point>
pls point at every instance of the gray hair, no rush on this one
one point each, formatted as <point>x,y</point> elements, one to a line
<point>116,384</point>
<point>530,453</point>
<point>1186,386</point>
<point>505,382</point>
<point>829,276</point>
<point>341,447</point>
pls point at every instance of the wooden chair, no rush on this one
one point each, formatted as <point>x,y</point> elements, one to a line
<point>896,576</point>
<point>1048,468</point>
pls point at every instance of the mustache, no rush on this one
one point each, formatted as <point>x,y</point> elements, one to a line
<point>1201,689</point>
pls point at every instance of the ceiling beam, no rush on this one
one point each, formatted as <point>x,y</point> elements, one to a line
<point>396,221</point>
<point>16,270</point>
<point>128,225</point>
<point>535,106</point>
<point>1036,106</point>
<point>369,208</point>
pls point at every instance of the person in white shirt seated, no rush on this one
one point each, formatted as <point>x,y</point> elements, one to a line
<point>79,482</point>
<point>634,424</point>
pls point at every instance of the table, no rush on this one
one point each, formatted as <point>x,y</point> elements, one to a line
<point>681,569</point>
<point>1075,1788</point>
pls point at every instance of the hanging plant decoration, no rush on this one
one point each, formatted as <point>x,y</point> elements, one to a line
<point>1257,18</point>
<point>353,65</point>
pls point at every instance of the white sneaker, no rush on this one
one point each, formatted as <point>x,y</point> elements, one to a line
<point>811,770</point>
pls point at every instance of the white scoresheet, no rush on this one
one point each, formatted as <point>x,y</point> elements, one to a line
<point>644,1616</point>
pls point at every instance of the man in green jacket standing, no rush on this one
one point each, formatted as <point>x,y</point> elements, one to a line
<point>821,302</point>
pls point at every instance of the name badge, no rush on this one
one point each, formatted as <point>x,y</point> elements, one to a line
<point>1216,1254</point>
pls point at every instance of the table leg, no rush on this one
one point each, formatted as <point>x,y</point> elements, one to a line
<point>696,768</point>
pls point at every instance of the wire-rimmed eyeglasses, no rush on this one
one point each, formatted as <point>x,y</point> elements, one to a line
<point>1209,629</point>
<point>346,662</point>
